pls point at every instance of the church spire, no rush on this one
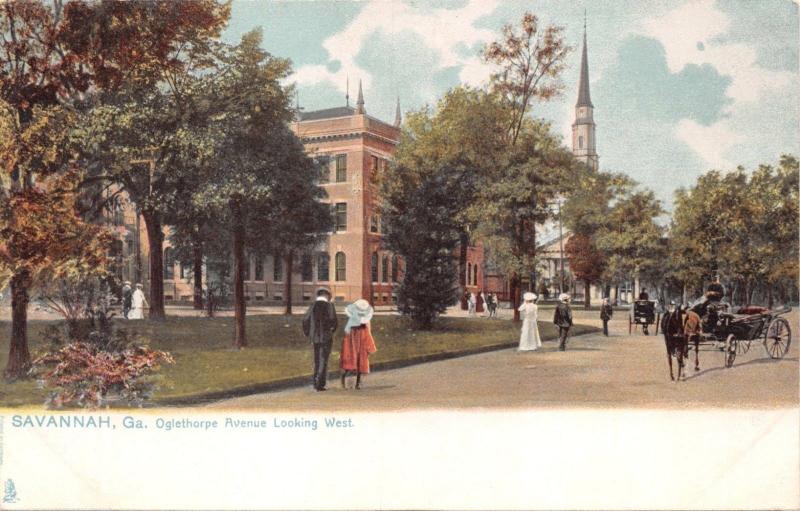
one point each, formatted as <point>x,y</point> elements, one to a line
<point>584,99</point>
<point>360,103</point>
<point>398,116</point>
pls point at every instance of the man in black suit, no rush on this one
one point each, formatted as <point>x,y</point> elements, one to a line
<point>563,320</point>
<point>319,324</point>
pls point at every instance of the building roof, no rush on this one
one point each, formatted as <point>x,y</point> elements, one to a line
<point>584,98</point>
<point>327,113</point>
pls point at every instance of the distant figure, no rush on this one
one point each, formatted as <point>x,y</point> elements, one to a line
<point>529,339</point>
<point>138,303</point>
<point>491,304</point>
<point>358,342</point>
<point>644,296</point>
<point>472,302</point>
<point>479,302</point>
<point>319,324</point>
<point>127,298</point>
<point>563,320</point>
<point>606,311</point>
<point>465,301</point>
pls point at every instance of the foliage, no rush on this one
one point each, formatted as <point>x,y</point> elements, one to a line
<point>86,376</point>
<point>741,227</point>
<point>585,260</point>
<point>530,63</point>
<point>419,226</point>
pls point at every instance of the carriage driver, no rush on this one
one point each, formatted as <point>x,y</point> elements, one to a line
<point>708,306</point>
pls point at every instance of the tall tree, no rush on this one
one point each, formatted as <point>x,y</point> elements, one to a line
<point>586,262</point>
<point>419,225</point>
<point>256,153</point>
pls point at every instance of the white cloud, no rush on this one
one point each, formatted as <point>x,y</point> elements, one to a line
<point>442,30</point>
<point>695,33</point>
<point>711,143</point>
<point>690,35</point>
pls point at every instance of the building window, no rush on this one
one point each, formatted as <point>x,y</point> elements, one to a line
<point>307,268</point>
<point>259,268</point>
<point>341,168</point>
<point>246,273</point>
<point>375,164</point>
<point>395,268</point>
<point>374,224</point>
<point>169,264</point>
<point>385,269</point>
<point>469,274</point>
<point>186,271</point>
<point>324,161</point>
<point>323,266</point>
<point>277,269</point>
<point>580,142</point>
<point>340,217</point>
<point>374,267</point>
<point>474,274</point>
<point>341,267</point>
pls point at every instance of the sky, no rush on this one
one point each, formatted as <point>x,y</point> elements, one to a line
<point>679,87</point>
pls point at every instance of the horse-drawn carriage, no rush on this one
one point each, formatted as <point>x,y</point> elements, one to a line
<point>643,313</point>
<point>719,330</point>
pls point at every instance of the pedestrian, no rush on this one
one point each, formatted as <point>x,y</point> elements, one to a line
<point>529,339</point>
<point>465,301</point>
<point>471,303</point>
<point>319,324</point>
<point>127,296</point>
<point>643,296</point>
<point>480,301</point>
<point>606,311</point>
<point>358,342</point>
<point>563,320</point>
<point>491,304</point>
<point>138,303</point>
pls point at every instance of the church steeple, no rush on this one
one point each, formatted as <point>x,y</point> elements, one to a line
<point>398,116</point>
<point>583,129</point>
<point>360,103</point>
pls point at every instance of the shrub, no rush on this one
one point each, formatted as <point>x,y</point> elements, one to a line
<point>85,375</point>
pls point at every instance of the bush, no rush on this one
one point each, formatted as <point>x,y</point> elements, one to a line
<point>87,376</point>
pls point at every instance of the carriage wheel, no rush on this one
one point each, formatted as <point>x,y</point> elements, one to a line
<point>730,350</point>
<point>778,338</point>
<point>742,347</point>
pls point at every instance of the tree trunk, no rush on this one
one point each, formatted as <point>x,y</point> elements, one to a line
<point>19,357</point>
<point>155,239</point>
<point>616,292</point>
<point>462,262</point>
<point>586,295</point>
<point>515,287</point>
<point>239,306</point>
<point>197,261</point>
<point>287,283</point>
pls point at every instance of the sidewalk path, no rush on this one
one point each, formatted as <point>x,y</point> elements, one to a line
<point>595,371</point>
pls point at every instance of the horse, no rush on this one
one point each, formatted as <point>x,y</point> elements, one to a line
<point>680,327</point>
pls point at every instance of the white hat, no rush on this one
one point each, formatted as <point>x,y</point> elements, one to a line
<point>361,304</point>
<point>529,297</point>
<point>563,297</point>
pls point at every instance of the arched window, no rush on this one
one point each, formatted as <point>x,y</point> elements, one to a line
<point>469,274</point>
<point>580,142</point>
<point>341,267</point>
<point>186,271</point>
<point>385,269</point>
<point>277,268</point>
<point>169,264</point>
<point>474,274</point>
<point>374,267</point>
<point>395,268</point>
<point>323,267</point>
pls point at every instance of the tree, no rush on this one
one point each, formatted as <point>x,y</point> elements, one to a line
<point>419,226</point>
<point>585,261</point>
<point>52,55</point>
<point>44,239</point>
<point>255,152</point>
<point>530,63</point>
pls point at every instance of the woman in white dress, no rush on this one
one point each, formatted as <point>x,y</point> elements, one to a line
<point>529,339</point>
<point>138,303</point>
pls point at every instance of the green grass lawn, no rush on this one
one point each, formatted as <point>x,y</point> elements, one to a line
<point>277,350</point>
